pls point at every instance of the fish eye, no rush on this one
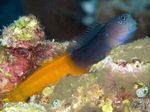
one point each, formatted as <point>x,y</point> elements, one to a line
<point>123,17</point>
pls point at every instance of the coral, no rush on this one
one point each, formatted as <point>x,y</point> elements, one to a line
<point>23,107</point>
<point>23,33</point>
<point>111,84</point>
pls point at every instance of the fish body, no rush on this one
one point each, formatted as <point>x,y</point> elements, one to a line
<point>94,46</point>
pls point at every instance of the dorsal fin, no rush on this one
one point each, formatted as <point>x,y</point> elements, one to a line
<point>88,35</point>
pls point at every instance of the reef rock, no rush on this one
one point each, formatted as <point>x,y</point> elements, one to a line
<point>23,48</point>
<point>111,85</point>
<point>23,107</point>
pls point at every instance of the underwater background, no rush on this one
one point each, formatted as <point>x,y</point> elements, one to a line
<point>65,19</point>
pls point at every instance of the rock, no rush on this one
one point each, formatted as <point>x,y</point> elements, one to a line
<point>23,107</point>
<point>114,78</point>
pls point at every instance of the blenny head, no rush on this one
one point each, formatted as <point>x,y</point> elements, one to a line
<point>102,38</point>
<point>121,29</point>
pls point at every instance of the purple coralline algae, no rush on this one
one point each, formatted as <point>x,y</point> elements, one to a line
<point>23,33</point>
<point>22,50</point>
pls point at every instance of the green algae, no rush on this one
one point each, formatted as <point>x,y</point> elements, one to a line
<point>6,74</point>
<point>24,27</point>
<point>25,32</point>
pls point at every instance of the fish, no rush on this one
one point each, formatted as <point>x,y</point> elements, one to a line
<point>94,45</point>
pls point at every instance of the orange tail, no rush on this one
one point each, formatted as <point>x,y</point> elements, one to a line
<point>49,73</point>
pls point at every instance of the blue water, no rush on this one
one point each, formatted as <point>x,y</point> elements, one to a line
<point>10,10</point>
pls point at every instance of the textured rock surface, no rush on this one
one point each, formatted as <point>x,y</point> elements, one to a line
<point>23,107</point>
<point>111,84</point>
<point>23,49</point>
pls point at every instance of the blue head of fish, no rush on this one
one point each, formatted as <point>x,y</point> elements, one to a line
<point>120,29</point>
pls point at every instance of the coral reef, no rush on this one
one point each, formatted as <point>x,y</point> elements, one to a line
<point>113,84</point>
<point>22,50</point>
